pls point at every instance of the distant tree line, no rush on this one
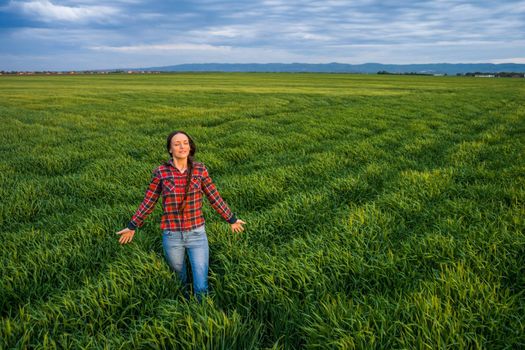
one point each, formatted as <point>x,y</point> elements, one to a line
<point>469,74</point>
<point>404,73</point>
<point>497,75</point>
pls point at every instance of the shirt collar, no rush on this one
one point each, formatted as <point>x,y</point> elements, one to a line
<point>170,162</point>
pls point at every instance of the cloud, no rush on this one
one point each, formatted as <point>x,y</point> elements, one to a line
<point>520,60</point>
<point>161,47</point>
<point>164,33</point>
<point>46,11</point>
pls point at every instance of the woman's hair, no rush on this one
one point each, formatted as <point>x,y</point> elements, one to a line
<point>193,149</point>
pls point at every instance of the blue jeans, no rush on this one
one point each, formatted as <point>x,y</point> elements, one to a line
<point>175,243</point>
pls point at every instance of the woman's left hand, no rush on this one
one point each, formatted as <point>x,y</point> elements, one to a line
<point>237,226</point>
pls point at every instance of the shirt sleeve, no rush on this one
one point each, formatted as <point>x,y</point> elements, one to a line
<point>215,199</point>
<point>148,204</point>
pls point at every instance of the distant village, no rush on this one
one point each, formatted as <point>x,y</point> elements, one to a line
<point>93,72</point>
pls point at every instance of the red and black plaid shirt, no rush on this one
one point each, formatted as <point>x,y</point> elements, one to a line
<point>169,182</point>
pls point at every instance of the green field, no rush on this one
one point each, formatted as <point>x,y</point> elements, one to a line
<point>382,211</point>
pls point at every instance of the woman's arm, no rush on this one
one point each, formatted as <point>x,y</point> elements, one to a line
<point>148,203</point>
<point>216,201</point>
<point>146,207</point>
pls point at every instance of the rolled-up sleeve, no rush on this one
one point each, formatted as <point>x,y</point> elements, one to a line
<point>215,199</point>
<point>148,204</point>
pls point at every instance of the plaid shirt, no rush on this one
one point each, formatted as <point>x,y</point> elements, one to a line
<point>169,182</point>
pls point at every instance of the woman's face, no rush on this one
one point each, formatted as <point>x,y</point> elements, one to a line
<point>180,146</point>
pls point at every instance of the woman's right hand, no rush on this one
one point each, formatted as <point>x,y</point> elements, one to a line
<point>126,235</point>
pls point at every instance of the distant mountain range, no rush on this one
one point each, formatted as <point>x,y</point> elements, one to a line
<point>433,68</point>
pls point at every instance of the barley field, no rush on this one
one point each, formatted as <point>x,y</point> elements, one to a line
<point>382,212</point>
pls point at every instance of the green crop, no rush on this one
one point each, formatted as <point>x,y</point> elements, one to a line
<point>382,211</point>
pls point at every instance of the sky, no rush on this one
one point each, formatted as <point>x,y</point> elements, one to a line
<point>92,34</point>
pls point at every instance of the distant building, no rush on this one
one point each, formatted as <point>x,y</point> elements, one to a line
<point>484,75</point>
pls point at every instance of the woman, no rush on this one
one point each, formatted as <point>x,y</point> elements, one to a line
<point>181,181</point>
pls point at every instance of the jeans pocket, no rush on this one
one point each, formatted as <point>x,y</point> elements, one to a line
<point>197,234</point>
<point>200,229</point>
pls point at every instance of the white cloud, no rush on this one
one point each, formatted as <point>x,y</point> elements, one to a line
<point>161,47</point>
<point>520,60</point>
<point>311,36</point>
<point>77,38</point>
<point>46,11</point>
<point>228,32</point>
